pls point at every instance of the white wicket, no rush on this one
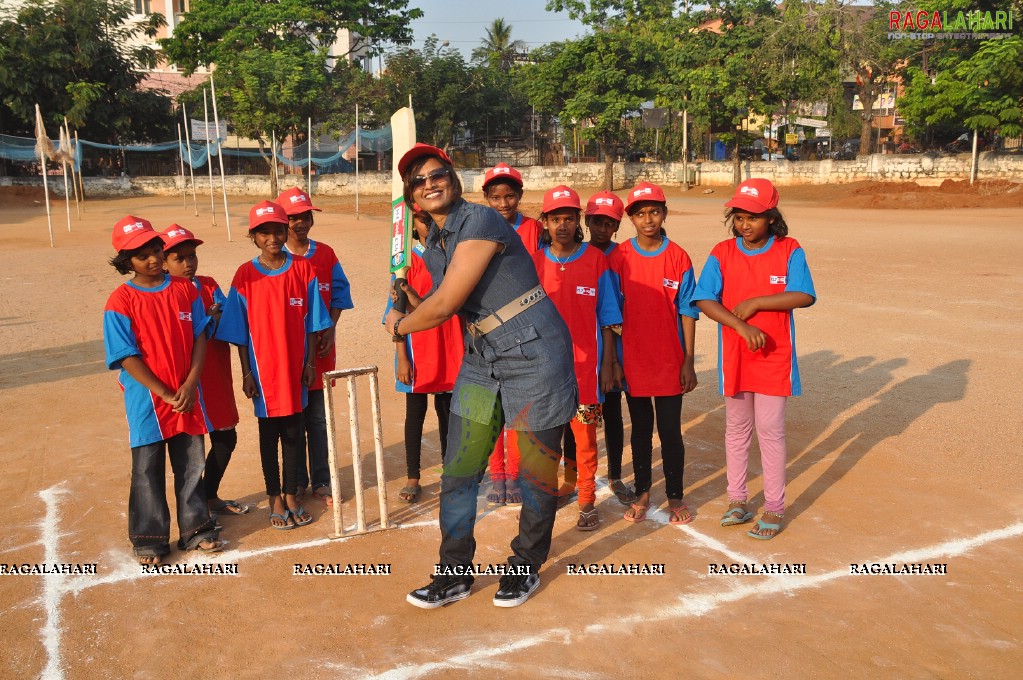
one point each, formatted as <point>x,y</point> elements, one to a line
<point>350,375</point>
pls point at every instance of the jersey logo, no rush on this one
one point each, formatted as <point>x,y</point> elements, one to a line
<point>585,290</point>
<point>296,302</point>
<point>668,283</point>
<point>778,279</point>
<point>185,316</point>
<point>325,287</point>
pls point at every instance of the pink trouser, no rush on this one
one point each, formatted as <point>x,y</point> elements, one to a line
<point>768,413</point>
<point>499,471</point>
<point>585,460</point>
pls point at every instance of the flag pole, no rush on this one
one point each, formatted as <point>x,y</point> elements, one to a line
<point>356,161</point>
<point>41,148</point>
<point>191,170</point>
<point>220,156</point>
<point>181,158</point>
<point>309,155</point>
<point>209,158</point>
<point>73,156</point>
<point>63,171</point>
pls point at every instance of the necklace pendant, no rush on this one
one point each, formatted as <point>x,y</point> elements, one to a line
<point>562,267</point>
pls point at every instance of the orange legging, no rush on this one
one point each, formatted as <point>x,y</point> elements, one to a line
<point>499,471</point>
<point>585,460</point>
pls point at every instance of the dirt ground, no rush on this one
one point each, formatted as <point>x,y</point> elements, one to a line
<point>900,451</point>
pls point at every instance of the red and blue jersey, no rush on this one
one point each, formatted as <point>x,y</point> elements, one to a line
<point>159,326</point>
<point>654,288</point>
<point>216,387</point>
<point>270,311</point>
<point>436,353</point>
<point>733,274</point>
<point>335,291</point>
<point>584,296</point>
<point>529,230</point>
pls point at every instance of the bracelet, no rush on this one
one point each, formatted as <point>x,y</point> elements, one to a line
<point>246,375</point>
<point>398,337</point>
<point>310,365</point>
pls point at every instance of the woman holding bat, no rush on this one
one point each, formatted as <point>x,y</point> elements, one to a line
<point>517,372</point>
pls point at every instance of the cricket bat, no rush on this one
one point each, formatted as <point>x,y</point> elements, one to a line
<point>403,137</point>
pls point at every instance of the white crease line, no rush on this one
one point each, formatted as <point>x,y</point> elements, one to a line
<point>52,590</point>
<point>690,606</point>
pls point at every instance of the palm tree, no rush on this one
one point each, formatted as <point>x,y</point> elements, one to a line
<point>498,48</point>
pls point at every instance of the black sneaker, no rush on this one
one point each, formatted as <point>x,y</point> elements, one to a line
<point>442,590</point>
<point>516,589</point>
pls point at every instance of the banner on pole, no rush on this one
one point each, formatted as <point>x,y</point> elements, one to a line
<point>201,131</point>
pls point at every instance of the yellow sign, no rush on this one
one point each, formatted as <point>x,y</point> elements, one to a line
<point>791,138</point>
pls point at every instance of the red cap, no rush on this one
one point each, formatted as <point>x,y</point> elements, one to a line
<point>418,151</point>
<point>754,196</point>
<point>265,212</point>
<point>645,191</point>
<point>132,232</point>
<point>502,171</point>
<point>176,234</point>
<point>560,196</point>
<point>295,202</point>
<point>605,203</point>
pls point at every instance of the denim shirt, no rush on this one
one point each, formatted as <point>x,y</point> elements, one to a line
<point>527,361</point>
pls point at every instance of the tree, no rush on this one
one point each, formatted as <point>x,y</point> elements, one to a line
<point>498,49</point>
<point>271,55</point>
<point>71,57</point>
<point>594,82</point>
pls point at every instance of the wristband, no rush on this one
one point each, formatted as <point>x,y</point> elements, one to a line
<point>396,336</point>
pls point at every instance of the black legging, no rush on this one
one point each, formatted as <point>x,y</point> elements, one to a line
<point>669,430</point>
<point>222,443</point>
<point>290,431</point>
<point>614,434</point>
<point>415,415</point>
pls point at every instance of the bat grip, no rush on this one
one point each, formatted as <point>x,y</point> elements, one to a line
<point>401,301</point>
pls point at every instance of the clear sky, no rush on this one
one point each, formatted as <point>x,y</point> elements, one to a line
<point>463,24</point>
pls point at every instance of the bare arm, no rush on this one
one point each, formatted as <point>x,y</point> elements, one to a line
<point>248,382</point>
<point>309,367</point>
<point>404,373</point>
<point>326,337</point>
<point>753,336</point>
<point>138,369</point>
<point>607,360</point>
<point>184,398</point>
<point>688,373</point>
<point>779,302</point>
<point>470,260</point>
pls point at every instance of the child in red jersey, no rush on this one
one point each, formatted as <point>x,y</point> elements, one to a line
<point>337,296</point>
<point>576,279</point>
<point>217,384</point>
<point>655,280</point>
<point>426,363</point>
<point>502,187</point>
<point>273,313</point>
<point>750,285</point>
<point>604,211</point>
<point>154,331</point>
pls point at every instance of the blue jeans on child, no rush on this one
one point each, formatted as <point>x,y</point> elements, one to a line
<point>148,514</point>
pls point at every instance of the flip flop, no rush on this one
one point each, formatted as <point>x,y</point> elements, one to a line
<point>638,513</point>
<point>298,512</point>
<point>230,508</point>
<point>730,518</point>
<point>514,496</point>
<point>761,524</point>
<point>498,495</point>
<point>286,518</point>
<point>675,515</point>
<point>624,494</point>
<point>584,523</point>
<point>410,494</point>
<point>217,546</point>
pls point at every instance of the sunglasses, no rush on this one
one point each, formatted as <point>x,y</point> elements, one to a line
<point>438,176</point>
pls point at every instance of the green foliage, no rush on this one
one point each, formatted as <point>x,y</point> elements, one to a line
<point>498,49</point>
<point>72,58</point>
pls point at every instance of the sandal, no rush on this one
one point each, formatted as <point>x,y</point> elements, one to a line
<point>410,494</point>
<point>300,512</point>
<point>230,507</point>
<point>736,514</point>
<point>624,494</point>
<point>514,496</point>
<point>286,518</point>
<point>210,545</point>
<point>588,521</point>
<point>765,526</point>
<point>638,512</point>
<point>675,515</point>
<point>497,495</point>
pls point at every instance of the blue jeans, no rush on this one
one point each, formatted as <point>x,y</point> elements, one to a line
<point>148,514</point>
<point>465,462</point>
<point>316,435</point>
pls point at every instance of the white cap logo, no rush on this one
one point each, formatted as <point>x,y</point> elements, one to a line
<point>298,199</point>
<point>128,228</point>
<point>560,194</point>
<point>643,191</point>
<point>752,191</point>
<point>502,170</point>
<point>265,211</point>
<point>174,233</point>
<point>604,201</point>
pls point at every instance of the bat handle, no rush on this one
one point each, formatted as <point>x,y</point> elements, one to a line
<point>401,301</point>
